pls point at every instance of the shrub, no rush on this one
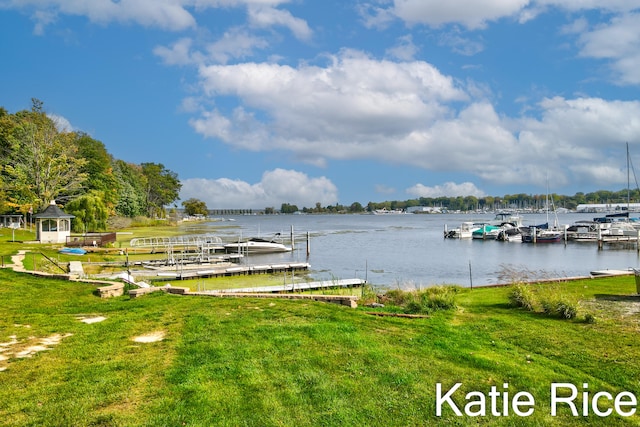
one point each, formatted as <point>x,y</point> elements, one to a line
<point>560,306</point>
<point>440,297</point>
<point>397,297</point>
<point>423,301</point>
<point>368,294</point>
<point>522,296</point>
<point>567,309</point>
<point>549,300</point>
<point>549,305</point>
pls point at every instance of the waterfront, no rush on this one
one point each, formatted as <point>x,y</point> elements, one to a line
<point>409,250</point>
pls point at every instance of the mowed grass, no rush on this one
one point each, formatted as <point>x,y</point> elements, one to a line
<point>255,362</point>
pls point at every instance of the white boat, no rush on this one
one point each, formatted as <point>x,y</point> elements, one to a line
<point>463,232</point>
<point>509,233</point>
<point>385,211</point>
<point>257,245</point>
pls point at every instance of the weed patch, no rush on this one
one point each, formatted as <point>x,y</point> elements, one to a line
<point>547,299</point>
<point>423,301</point>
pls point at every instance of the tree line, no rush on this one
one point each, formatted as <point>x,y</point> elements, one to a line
<point>40,163</point>
<point>522,201</point>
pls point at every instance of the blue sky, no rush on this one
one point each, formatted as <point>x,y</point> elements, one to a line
<point>255,103</point>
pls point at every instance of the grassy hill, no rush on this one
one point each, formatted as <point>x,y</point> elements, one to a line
<point>69,358</point>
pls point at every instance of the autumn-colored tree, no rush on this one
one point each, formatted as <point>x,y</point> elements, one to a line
<point>44,164</point>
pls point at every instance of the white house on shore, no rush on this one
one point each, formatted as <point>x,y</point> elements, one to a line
<point>53,225</point>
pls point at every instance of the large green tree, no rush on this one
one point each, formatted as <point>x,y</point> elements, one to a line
<point>163,188</point>
<point>90,212</point>
<point>99,170</point>
<point>44,164</point>
<point>195,206</point>
<point>132,185</point>
<point>287,208</point>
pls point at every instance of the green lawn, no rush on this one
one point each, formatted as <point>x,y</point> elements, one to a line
<point>271,362</point>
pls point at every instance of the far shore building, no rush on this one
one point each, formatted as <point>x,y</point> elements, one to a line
<point>12,221</point>
<point>608,207</point>
<point>53,225</point>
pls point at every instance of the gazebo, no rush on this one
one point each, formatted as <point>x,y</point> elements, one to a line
<point>53,225</point>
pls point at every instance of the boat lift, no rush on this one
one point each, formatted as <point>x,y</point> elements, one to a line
<point>203,246</point>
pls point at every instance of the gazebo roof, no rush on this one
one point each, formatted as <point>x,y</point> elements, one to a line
<point>53,211</point>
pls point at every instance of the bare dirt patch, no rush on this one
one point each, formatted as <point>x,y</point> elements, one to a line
<point>16,349</point>
<point>90,320</point>
<point>150,337</point>
<point>619,308</point>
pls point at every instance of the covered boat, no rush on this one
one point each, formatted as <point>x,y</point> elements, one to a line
<point>72,251</point>
<point>257,245</point>
<point>486,232</point>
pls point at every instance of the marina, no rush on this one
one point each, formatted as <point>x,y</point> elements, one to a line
<point>409,251</point>
<point>390,251</point>
<point>610,229</point>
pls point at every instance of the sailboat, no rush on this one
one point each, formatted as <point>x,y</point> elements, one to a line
<point>542,233</point>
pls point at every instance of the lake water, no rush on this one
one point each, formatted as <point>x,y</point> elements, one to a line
<point>409,250</point>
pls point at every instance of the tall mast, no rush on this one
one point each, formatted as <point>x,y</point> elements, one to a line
<point>628,181</point>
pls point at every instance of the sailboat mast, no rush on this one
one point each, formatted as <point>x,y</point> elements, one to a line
<point>628,180</point>
<point>547,198</point>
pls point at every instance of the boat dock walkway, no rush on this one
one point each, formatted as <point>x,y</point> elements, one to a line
<point>235,270</point>
<point>294,287</point>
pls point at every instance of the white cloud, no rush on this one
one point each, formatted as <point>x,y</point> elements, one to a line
<point>172,15</point>
<point>375,16</point>
<point>404,49</point>
<point>581,5</point>
<point>61,123</point>
<point>473,14</point>
<point>179,53</point>
<point>408,113</point>
<point>460,44</point>
<point>448,189</point>
<point>241,129</point>
<point>577,26</point>
<point>607,174</point>
<point>261,16</point>
<point>618,41</point>
<point>350,108</point>
<point>476,14</point>
<point>165,14</point>
<point>276,187</point>
<point>235,43</point>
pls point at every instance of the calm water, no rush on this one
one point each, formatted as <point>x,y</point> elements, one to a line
<point>390,250</point>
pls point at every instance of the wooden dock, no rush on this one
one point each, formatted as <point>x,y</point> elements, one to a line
<point>294,287</point>
<point>235,270</point>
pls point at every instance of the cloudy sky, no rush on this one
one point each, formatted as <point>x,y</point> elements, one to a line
<point>255,103</point>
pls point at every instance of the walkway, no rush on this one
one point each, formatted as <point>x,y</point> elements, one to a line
<point>17,261</point>
<point>295,287</point>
